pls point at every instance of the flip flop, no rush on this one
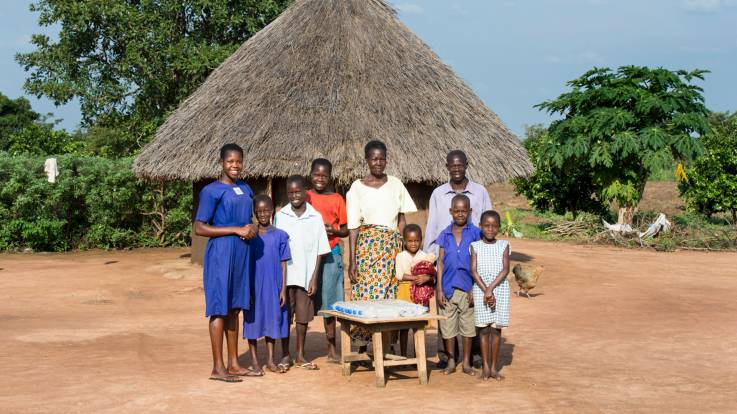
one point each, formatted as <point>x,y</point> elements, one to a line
<point>250,373</point>
<point>278,368</point>
<point>308,366</point>
<point>225,378</point>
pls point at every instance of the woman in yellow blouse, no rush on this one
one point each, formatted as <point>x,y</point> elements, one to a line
<point>376,205</point>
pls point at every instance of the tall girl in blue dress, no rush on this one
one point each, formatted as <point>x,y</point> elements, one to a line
<point>224,215</point>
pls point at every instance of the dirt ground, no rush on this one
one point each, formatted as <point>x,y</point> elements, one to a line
<point>609,330</point>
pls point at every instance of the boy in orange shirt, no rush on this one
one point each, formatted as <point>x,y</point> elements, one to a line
<point>332,208</point>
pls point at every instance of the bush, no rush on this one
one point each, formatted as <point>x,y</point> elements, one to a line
<point>710,185</point>
<point>95,203</point>
<point>551,188</point>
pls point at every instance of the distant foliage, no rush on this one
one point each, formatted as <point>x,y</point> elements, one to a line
<point>131,62</point>
<point>710,184</point>
<point>95,203</point>
<point>617,128</point>
<point>551,188</point>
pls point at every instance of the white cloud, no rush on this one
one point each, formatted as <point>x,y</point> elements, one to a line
<point>707,6</point>
<point>409,8</point>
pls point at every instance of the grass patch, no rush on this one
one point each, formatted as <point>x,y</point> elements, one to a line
<point>689,232</point>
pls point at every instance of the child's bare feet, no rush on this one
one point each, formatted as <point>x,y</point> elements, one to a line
<point>497,376</point>
<point>451,368</point>
<point>469,370</point>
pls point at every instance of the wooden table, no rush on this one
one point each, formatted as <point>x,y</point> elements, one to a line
<point>376,327</point>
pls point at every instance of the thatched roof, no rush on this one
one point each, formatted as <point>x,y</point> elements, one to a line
<point>321,80</point>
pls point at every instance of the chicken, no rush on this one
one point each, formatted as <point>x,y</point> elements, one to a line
<point>526,278</point>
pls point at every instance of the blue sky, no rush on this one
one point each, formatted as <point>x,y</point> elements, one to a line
<point>515,53</point>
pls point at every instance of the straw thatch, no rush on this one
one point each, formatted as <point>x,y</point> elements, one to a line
<point>321,80</point>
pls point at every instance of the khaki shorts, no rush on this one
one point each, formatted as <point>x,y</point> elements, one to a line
<point>460,316</point>
<point>301,306</point>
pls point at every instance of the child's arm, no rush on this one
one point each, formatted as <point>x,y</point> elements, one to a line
<point>283,291</point>
<point>504,272</point>
<point>439,286</point>
<point>341,232</point>
<point>312,289</point>
<point>474,272</point>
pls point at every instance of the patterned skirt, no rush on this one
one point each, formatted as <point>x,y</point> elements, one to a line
<point>376,250</point>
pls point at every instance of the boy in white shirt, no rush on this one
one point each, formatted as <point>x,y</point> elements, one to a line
<point>308,242</point>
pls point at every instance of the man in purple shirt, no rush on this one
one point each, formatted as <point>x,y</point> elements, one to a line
<point>439,210</point>
<point>439,215</point>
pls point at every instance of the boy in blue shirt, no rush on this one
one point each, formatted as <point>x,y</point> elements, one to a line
<point>455,282</point>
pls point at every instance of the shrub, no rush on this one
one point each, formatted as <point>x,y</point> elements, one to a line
<point>95,203</point>
<point>710,185</point>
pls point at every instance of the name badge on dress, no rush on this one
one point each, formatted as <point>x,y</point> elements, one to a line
<point>238,190</point>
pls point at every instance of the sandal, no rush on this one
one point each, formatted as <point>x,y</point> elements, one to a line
<point>310,366</point>
<point>225,378</point>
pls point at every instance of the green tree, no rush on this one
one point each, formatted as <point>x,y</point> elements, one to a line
<point>15,114</point>
<point>710,185</point>
<point>553,188</point>
<point>131,61</point>
<point>621,125</point>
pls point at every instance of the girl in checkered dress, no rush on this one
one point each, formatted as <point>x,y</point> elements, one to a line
<point>489,267</point>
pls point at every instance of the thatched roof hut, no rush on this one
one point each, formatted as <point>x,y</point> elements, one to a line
<point>320,81</point>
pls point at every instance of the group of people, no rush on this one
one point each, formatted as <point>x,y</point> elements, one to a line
<point>280,273</point>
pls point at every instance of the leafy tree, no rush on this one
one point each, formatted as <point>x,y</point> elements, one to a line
<point>15,114</point>
<point>131,61</point>
<point>621,125</point>
<point>553,188</point>
<point>710,184</point>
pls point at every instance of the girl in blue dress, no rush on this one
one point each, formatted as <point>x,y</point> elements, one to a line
<point>224,215</point>
<point>268,316</point>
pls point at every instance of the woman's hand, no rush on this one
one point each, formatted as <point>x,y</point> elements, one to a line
<point>352,272</point>
<point>246,232</point>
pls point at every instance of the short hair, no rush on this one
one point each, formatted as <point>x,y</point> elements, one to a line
<point>372,145</point>
<point>456,154</point>
<point>463,197</point>
<point>225,149</point>
<point>296,179</point>
<point>412,228</point>
<point>490,213</point>
<point>321,161</point>
<point>262,198</point>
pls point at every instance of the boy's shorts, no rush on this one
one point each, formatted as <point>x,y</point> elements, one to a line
<point>460,316</point>
<point>301,306</point>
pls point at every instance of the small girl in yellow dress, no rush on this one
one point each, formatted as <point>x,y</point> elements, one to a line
<point>406,259</point>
